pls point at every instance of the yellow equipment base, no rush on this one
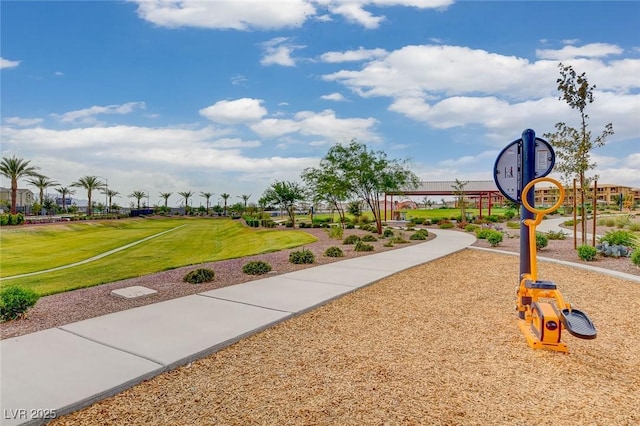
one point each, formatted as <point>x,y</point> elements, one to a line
<point>534,341</point>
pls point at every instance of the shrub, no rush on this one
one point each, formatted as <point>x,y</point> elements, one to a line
<point>513,225</point>
<point>398,240</point>
<point>350,226</point>
<point>610,222</point>
<point>369,239</point>
<point>256,267</point>
<point>509,214</point>
<point>418,236</point>
<point>635,227</point>
<point>388,233</point>
<point>553,235</point>
<point>301,257</point>
<point>333,251</point>
<point>199,276</point>
<point>635,257</point>
<point>360,246</point>
<point>483,233</point>
<point>14,302</point>
<point>388,244</point>
<point>351,239</point>
<point>446,225</point>
<point>541,241</point>
<point>336,232</point>
<point>494,238</point>
<point>622,238</point>
<point>493,218</point>
<point>587,253</point>
<point>471,227</point>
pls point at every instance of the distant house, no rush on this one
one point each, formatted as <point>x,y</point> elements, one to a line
<point>24,199</point>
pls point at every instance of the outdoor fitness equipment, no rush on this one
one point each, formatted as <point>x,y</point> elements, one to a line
<point>541,308</point>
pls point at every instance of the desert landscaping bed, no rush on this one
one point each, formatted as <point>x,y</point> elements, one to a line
<point>436,344</point>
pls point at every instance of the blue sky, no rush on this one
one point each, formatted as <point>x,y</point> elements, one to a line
<point>228,96</point>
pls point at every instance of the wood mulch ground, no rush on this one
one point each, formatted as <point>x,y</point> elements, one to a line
<point>437,344</point>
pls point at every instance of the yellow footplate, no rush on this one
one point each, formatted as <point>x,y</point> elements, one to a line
<point>543,329</point>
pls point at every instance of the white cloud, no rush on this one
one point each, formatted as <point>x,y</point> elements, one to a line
<point>593,50</point>
<point>22,122</point>
<point>323,124</point>
<point>354,10</point>
<point>58,73</point>
<point>235,112</point>
<point>227,143</point>
<point>360,54</point>
<point>239,80</point>
<point>87,115</point>
<point>278,51</point>
<point>226,14</point>
<point>334,97</point>
<point>6,63</point>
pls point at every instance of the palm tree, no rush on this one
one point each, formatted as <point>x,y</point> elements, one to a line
<point>245,198</point>
<point>207,196</point>
<point>225,197</point>
<point>138,195</point>
<point>64,191</point>
<point>15,168</point>
<point>186,195</point>
<point>90,183</point>
<point>41,182</point>
<point>110,193</point>
<point>166,196</point>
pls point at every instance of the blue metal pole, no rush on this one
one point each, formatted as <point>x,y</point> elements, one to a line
<point>528,174</point>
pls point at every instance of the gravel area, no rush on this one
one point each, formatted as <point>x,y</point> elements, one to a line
<point>563,250</point>
<point>437,344</point>
<point>64,308</point>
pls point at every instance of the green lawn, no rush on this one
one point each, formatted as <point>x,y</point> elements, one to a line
<point>201,240</point>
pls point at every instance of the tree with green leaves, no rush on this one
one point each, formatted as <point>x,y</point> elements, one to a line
<point>573,146</point>
<point>41,182</point>
<point>285,194</point>
<point>245,199</point>
<point>186,195</point>
<point>370,174</point>
<point>14,169</point>
<point>225,197</point>
<point>110,193</point>
<point>64,191</point>
<point>90,183</point>
<point>138,195</point>
<point>327,183</point>
<point>207,196</point>
<point>165,196</point>
<point>458,191</point>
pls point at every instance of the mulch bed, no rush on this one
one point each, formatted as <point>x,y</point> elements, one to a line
<point>436,344</point>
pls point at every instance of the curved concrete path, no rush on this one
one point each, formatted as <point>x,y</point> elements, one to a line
<point>66,368</point>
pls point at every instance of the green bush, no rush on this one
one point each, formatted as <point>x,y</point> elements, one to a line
<point>360,246</point>
<point>418,236</point>
<point>471,227</point>
<point>445,225</point>
<point>333,251</point>
<point>541,241</point>
<point>509,214</point>
<point>256,267</point>
<point>351,239</point>
<point>610,222</point>
<point>398,240</point>
<point>559,235</point>
<point>483,233</point>
<point>302,257</point>
<point>14,301</point>
<point>635,257</point>
<point>369,239</point>
<point>623,238</point>
<point>335,232</point>
<point>586,252</point>
<point>388,233</point>
<point>494,238</point>
<point>388,244</point>
<point>199,276</point>
<point>513,225</point>
<point>635,227</point>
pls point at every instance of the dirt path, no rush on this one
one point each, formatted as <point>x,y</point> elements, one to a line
<point>437,344</point>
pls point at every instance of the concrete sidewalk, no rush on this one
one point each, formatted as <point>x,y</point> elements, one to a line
<point>56,371</point>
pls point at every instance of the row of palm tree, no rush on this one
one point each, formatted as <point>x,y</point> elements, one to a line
<point>15,168</point>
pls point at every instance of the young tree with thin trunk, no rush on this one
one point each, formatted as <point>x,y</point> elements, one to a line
<point>207,196</point>
<point>138,195</point>
<point>41,182</point>
<point>13,169</point>
<point>458,191</point>
<point>286,195</point>
<point>328,184</point>
<point>573,146</point>
<point>225,197</point>
<point>186,195</point>
<point>165,196</point>
<point>370,174</point>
